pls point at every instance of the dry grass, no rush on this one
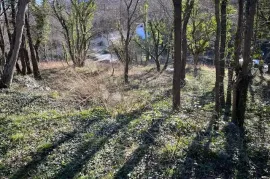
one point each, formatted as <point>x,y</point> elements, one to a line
<point>52,65</point>
<point>95,85</point>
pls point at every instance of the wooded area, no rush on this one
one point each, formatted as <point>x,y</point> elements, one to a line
<point>134,89</point>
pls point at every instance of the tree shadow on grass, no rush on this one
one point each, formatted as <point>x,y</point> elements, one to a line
<point>5,131</point>
<point>235,160</point>
<point>148,139</point>
<point>196,153</point>
<point>88,149</point>
<point>39,156</point>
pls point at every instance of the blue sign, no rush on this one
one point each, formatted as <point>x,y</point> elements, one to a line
<point>140,31</point>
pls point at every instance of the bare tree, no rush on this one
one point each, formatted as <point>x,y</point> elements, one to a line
<point>188,9</point>
<point>223,39</point>
<point>244,76</point>
<point>237,52</point>
<point>32,50</point>
<point>128,18</point>
<point>75,18</point>
<point>217,58</point>
<point>177,4</point>
<point>8,72</point>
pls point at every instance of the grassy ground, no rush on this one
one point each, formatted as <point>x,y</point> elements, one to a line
<point>84,123</point>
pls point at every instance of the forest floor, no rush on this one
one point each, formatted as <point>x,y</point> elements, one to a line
<point>85,123</point>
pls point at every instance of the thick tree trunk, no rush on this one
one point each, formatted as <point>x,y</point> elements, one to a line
<point>217,59</point>
<point>32,50</point>
<point>244,76</point>
<point>237,52</point>
<point>222,49</point>
<point>8,73</point>
<point>177,53</point>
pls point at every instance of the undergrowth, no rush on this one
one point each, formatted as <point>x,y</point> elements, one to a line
<point>90,125</point>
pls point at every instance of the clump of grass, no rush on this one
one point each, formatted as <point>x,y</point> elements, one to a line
<point>55,95</point>
<point>17,137</point>
<point>44,146</point>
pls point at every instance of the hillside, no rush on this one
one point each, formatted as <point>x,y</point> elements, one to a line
<point>83,124</point>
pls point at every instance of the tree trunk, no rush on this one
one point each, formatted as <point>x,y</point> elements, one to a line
<point>237,52</point>
<point>222,50</point>
<point>189,7</point>
<point>2,42</point>
<point>177,53</point>
<point>23,55</point>
<point>229,89</point>
<point>22,58</point>
<point>217,59</point>
<point>167,59</point>
<point>37,53</point>
<point>8,73</point>
<point>157,63</point>
<point>196,60</point>
<point>244,76</point>
<point>32,50</point>
<point>126,71</point>
<point>2,46</point>
<point>6,21</point>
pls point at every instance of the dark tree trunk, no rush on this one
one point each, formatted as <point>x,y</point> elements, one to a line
<point>157,63</point>
<point>18,68</point>
<point>177,53</point>
<point>32,50</point>
<point>167,60</point>
<point>24,57</point>
<point>126,72</point>
<point>196,60</point>
<point>2,42</point>
<point>244,77</point>
<point>237,53</point>
<point>217,58</point>
<point>8,73</point>
<point>187,13</point>
<point>2,46</point>
<point>222,49</point>
<point>36,47</point>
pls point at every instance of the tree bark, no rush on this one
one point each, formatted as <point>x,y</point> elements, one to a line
<point>187,13</point>
<point>2,46</point>
<point>237,52</point>
<point>177,53</point>
<point>32,50</point>
<point>222,49</point>
<point>244,77</point>
<point>24,57</point>
<point>8,73</point>
<point>196,60</point>
<point>217,58</point>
